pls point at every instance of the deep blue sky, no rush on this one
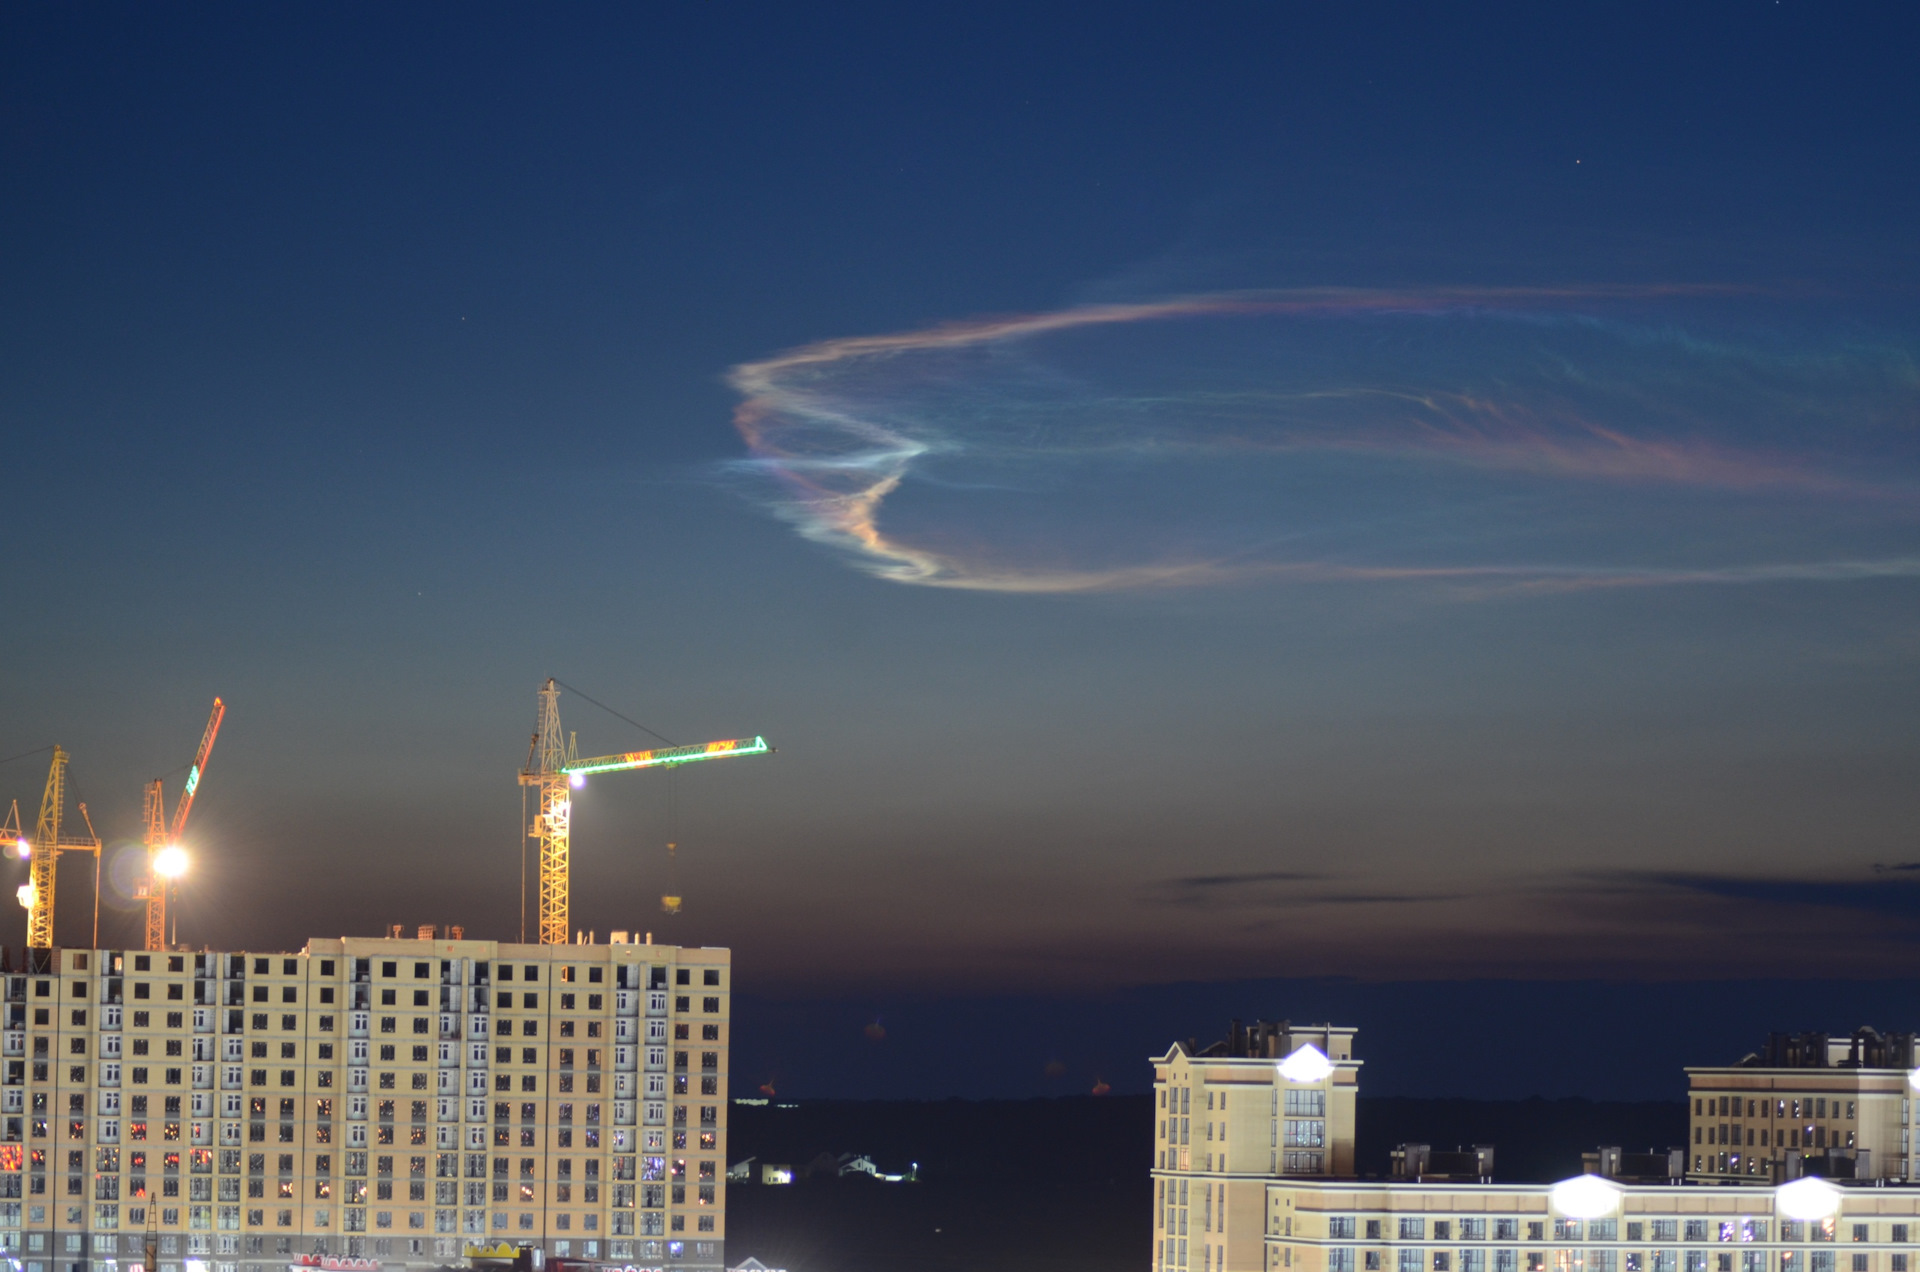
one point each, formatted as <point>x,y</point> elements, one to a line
<point>366,366</point>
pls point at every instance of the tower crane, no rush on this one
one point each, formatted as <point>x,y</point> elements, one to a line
<point>555,771</point>
<point>43,856</point>
<point>165,859</point>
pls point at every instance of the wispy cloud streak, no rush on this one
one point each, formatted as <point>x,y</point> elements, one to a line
<point>1376,395</point>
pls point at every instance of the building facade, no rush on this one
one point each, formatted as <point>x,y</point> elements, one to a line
<point>1328,1226</point>
<point>1805,1104</point>
<point>1267,1102</point>
<point>392,1099</point>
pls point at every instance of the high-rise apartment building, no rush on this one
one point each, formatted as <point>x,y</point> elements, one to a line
<point>1267,1102</point>
<point>390,1099</point>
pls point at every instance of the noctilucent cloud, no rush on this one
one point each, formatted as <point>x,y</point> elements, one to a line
<point>1520,439</point>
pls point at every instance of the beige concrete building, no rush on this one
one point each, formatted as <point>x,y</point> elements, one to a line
<point>1267,1102</point>
<point>1805,1104</point>
<point>1327,1226</point>
<point>392,1099</point>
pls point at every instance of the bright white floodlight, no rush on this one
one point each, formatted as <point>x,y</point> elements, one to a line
<point>170,862</point>
<point>1913,1079</point>
<point>576,780</point>
<point>1811,1198</point>
<point>25,893</point>
<point>1584,1197</point>
<point>22,848</point>
<point>1308,1064</point>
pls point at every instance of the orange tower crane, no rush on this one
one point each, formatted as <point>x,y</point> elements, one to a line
<point>555,771</point>
<point>165,859</point>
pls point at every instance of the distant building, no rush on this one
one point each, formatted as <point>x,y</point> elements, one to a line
<point>1267,1102</point>
<point>1805,1104</point>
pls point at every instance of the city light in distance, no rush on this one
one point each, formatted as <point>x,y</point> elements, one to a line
<point>1585,1197</point>
<point>1808,1199</point>
<point>1308,1064</point>
<point>170,862</point>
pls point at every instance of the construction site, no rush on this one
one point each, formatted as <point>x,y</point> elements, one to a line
<point>415,1098</point>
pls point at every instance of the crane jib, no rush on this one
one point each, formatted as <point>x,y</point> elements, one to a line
<point>670,755</point>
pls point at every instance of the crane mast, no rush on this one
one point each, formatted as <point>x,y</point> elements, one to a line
<point>44,856</point>
<point>554,770</point>
<point>553,823</point>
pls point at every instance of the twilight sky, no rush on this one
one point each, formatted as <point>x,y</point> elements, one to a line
<point>1193,492</point>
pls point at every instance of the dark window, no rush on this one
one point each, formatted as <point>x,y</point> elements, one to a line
<point>710,977</point>
<point>389,969</point>
<point>682,976</point>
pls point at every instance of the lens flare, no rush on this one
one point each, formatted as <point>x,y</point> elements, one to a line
<point>1584,1197</point>
<point>1308,1064</point>
<point>1808,1199</point>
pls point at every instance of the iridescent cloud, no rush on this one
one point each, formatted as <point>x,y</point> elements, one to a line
<point>1491,438</point>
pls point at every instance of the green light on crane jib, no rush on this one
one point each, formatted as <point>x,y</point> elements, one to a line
<point>669,755</point>
<point>193,779</point>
